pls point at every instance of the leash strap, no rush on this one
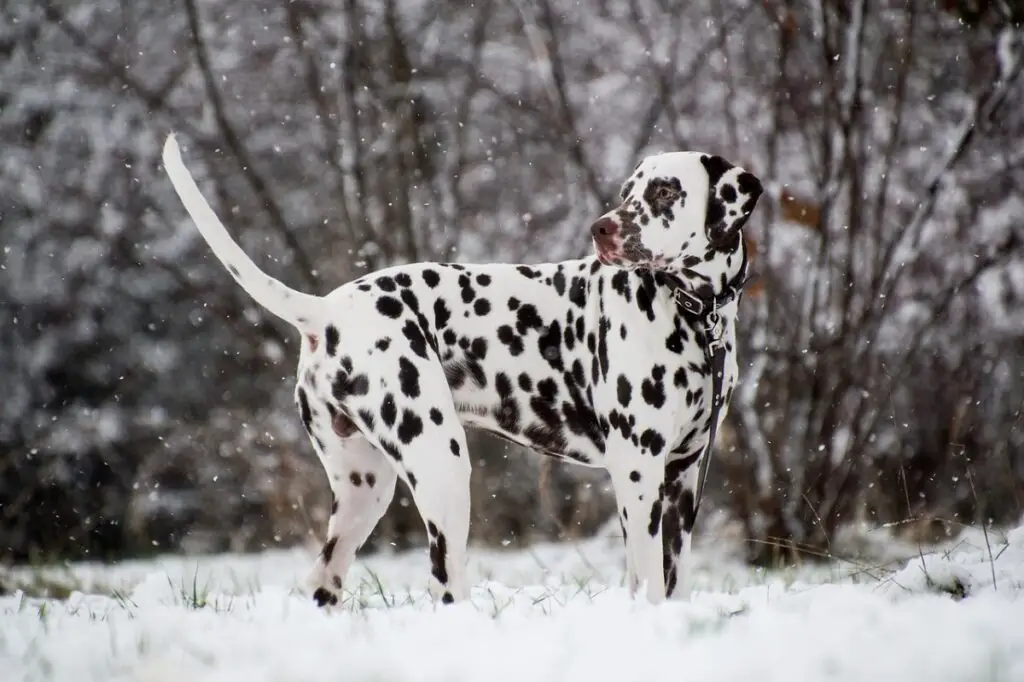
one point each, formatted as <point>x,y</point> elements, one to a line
<point>714,356</point>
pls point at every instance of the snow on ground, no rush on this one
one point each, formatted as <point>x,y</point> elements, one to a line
<point>557,612</point>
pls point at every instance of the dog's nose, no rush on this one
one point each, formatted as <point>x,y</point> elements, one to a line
<point>603,229</point>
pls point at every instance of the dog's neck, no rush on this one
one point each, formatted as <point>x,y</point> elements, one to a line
<point>710,286</point>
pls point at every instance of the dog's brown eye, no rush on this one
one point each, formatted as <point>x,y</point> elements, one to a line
<point>664,193</point>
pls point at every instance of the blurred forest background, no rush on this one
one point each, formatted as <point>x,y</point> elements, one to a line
<point>147,403</point>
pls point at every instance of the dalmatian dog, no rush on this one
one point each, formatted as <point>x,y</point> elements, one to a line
<point>592,361</point>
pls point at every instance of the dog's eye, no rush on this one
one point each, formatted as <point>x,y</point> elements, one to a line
<point>665,193</point>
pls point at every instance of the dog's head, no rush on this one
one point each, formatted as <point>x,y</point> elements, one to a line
<point>681,213</point>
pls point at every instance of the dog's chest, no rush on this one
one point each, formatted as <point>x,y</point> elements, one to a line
<point>573,357</point>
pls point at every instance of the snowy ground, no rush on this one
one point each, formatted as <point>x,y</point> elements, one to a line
<point>556,613</point>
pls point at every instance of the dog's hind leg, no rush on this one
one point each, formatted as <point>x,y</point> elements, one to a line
<point>412,418</point>
<point>362,485</point>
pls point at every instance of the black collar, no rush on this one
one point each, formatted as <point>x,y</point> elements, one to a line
<point>704,301</point>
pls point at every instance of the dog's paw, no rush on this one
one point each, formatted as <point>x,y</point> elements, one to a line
<point>324,597</point>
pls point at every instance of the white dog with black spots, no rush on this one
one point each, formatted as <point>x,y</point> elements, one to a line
<point>593,361</point>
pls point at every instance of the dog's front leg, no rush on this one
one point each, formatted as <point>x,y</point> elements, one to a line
<point>637,478</point>
<point>678,510</point>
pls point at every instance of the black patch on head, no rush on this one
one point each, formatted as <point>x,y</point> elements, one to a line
<point>431,278</point>
<point>661,194</point>
<point>410,427</point>
<point>389,307</point>
<point>331,337</point>
<point>408,378</point>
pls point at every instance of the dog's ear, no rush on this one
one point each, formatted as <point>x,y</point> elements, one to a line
<point>732,196</point>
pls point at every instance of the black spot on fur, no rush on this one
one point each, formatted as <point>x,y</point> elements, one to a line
<point>412,479</point>
<point>634,476</point>
<point>525,382</point>
<point>328,551</point>
<point>408,378</point>
<point>578,292</point>
<point>482,306</point>
<point>653,441</point>
<point>653,393</point>
<point>305,413</point>
<point>436,416</point>
<point>388,410</point>
<point>371,479</point>
<point>513,341</point>
<point>483,279</point>
<point>417,342</point>
<point>383,344</point>
<point>431,278</point>
<point>356,479</point>
<point>389,307</point>
<point>385,283</point>
<point>688,509</point>
<point>655,522</point>
<point>527,318</point>
<point>410,427</point>
<point>438,553</point>
<point>441,314</point>
<point>453,445</point>
<point>331,337</point>
<point>403,279</point>
<point>478,348</point>
<point>624,389</point>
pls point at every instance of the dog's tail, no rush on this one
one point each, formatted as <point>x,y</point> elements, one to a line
<point>302,311</point>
